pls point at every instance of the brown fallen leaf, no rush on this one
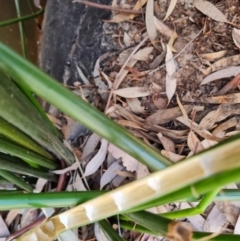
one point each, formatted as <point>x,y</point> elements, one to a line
<point>151,30</point>
<point>159,102</point>
<point>236,36</point>
<point>214,56</point>
<point>167,143</point>
<point>212,117</point>
<point>171,7</point>
<point>135,105</point>
<point>131,124</point>
<point>232,85</point>
<point>162,28</point>
<point>220,64</point>
<point>132,92</point>
<point>164,116</point>
<point>172,156</point>
<point>194,143</point>
<point>223,99</point>
<point>224,73</point>
<point>226,125</point>
<point>171,81</point>
<point>210,10</point>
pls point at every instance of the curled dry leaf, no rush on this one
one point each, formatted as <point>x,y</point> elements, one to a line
<point>97,160</point>
<point>236,36</point>
<point>214,56</point>
<point>151,30</point>
<point>4,232</point>
<point>132,92</point>
<point>210,10</point>
<point>170,8</point>
<point>172,40</point>
<point>224,73</point>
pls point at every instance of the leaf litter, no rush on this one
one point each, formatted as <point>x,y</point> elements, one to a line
<point>179,103</point>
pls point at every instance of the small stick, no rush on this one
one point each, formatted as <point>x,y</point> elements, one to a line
<point>103,6</point>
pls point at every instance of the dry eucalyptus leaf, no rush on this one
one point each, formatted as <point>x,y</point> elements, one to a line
<point>91,144</point>
<point>172,156</point>
<point>12,214</point>
<point>142,171</point>
<point>143,54</point>
<point>237,226</point>
<point>167,143</point>
<point>130,124</point>
<point>162,28</point>
<point>214,56</point>
<point>171,82</point>
<point>220,74</point>
<point>97,160</point>
<point>223,99</point>
<point>172,40</point>
<point>151,30</point>
<point>110,174</point>
<point>129,162</point>
<point>194,143</point>
<point>132,92</point>
<point>40,185</point>
<point>135,105</point>
<point>215,221</point>
<point>4,232</point>
<point>29,216</point>
<point>226,125</point>
<point>236,36</point>
<point>121,17</point>
<point>170,8</point>
<point>126,39</point>
<point>212,117</point>
<point>210,10</point>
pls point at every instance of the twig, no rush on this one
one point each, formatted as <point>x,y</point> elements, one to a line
<point>103,6</point>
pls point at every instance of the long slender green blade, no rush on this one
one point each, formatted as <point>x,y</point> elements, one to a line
<point>17,110</point>
<point>21,30</point>
<point>11,148</point>
<point>14,134</point>
<point>16,20</point>
<point>156,225</point>
<point>16,165</point>
<point>45,199</point>
<point>110,233</point>
<point>29,76</point>
<point>14,179</point>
